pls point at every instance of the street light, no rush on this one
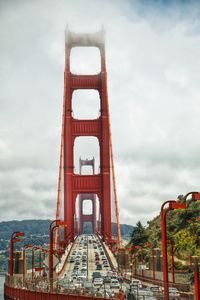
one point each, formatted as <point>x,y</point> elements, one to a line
<point>171,242</point>
<point>54,224</point>
<point>196,277</point>
<point>24,259</point>
<point>172,205</point>
<point>15,238</point>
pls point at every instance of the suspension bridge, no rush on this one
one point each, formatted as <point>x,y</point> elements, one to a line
<point>89,265</point>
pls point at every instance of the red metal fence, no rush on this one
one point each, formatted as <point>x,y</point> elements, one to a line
<point>22,294</point>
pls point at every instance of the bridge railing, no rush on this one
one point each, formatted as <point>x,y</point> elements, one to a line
<point>23,294</point>
<point>39,288</point>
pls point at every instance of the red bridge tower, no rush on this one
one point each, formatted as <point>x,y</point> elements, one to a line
<point>77,184</point>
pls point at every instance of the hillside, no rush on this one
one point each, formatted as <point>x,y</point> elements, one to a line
<point>183,230</point>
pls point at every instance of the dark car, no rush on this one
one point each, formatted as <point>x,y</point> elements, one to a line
<point>107,279</point>
<point>99,267</point>
<point>96,275</point>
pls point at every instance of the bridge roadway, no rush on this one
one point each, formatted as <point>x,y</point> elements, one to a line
<point>81,263</point>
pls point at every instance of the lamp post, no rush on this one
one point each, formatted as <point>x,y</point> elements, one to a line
<point>171,242</point>
<point>54,224</point>
<point>24,260</point>
<point>195,196</point>
<point>148,244</point>
<point>172,205</point>
<point>196,278</point>
<point>15,238</point>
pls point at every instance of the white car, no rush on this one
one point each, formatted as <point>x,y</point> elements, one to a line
<point>81,278</point>
<point>114,284</point>
<point>98,281</point>
<point>135,283</point>
<point>174,293</point>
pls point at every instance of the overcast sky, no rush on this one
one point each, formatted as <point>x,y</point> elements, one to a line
<point>153,64</point>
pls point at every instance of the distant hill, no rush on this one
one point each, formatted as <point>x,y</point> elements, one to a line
<point>40,228</point>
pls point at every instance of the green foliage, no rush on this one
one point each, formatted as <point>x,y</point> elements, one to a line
<point>184,234</point>
<point>139,235</point>
<point>184,243</point>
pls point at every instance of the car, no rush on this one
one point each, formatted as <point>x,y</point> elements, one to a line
<point>71,260</point>
<point>106,265</point>
<point>174,293</point>
<point>135,283</point>
<point>114,283</point>
<point>99,267</point>
<point>156,290</point>
<point>107,279</point>
<point>74,276</point>
<point>109,293</point>
<point>96,275</point>
<point>77,263</point>
<point>145,294</point>
<point>81,278</point>
<point>98,281</point>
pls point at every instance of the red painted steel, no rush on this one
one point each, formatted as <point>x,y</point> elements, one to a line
<point>172,204</point>
<point>21,294</point>
<point>79,184</point>
<point>92,197</point>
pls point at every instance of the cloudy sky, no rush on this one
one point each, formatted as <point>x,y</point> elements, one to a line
<point>153,51</point>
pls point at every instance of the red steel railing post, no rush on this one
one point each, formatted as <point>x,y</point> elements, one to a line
<point>32,263</point>
<point>11,257</point>
<point>172,254</point>
<point>196,279</point>
<point>153,262</point>
<point>135,263</point>
<point>142,261</point>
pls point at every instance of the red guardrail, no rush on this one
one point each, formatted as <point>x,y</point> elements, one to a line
<point>22,294</point>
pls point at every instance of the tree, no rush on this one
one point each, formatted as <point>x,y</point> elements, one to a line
<point>138,236</point>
